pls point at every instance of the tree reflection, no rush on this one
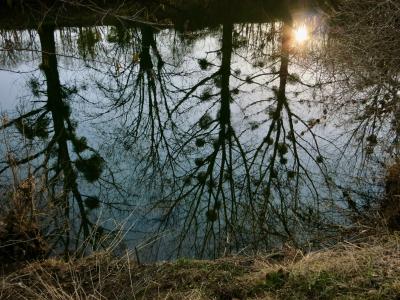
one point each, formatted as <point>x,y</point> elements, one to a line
<point>219,189</point>
<point>219,143</point>
<point>64,155</point>
<point>361,63</point>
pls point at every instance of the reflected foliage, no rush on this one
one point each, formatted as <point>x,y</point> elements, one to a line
<point>235,137</point>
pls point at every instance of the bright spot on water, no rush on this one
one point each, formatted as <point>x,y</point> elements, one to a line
<point>301,34</point>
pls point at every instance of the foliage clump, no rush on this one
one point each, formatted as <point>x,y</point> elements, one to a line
<point>218,81</point>
<point>372,139</point>
<point>33,128</point>
<point>205,121</point>
<point>119,35</point>
<point>269,140</point>
<point>202,177</point>
<point>91,168</point>
<point>212,215</point>
<point>283,148</point>
<point>254,126</point>
<point>199,161</point>
<point>87,40</point>
<point>203,63</point>
<point>206,95</point>
<point>200,142</point>
<point>283,160</point>
<point>92,202</point>
<point>34,85</point>
<point>80,144</point>
<point>291,174</point>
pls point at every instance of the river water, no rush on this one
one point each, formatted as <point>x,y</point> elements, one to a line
<point>192,142</point>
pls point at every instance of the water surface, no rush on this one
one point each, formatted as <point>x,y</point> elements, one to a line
<point>191,142</point>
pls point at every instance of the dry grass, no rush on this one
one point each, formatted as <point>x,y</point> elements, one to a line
<point>368,270</point>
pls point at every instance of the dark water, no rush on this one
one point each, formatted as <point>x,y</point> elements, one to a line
<point>230,138</point>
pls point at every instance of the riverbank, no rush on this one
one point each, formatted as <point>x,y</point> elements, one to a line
<point>361,270</point>
<point>185,15</point>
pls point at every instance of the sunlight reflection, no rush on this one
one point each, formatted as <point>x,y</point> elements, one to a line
<point>301,34</point>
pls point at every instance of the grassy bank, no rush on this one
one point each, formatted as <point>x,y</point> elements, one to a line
<point>367,270</point>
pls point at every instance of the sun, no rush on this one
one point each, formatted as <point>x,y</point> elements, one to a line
<point>301,34</point>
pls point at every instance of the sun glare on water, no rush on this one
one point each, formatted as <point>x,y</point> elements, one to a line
<point>301,34</point>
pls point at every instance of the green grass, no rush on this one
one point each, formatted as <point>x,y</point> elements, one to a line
<point>368,270</point>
